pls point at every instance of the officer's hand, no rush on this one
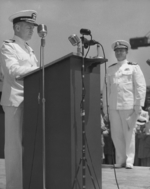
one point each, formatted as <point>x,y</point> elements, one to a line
<point>105,118</point>
<point>137,109</point>
<point>105,132</point>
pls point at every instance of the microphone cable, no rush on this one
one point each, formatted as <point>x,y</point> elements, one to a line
<point>108,120</point>
<point>88,48</point>
<point>107,111</point>
<point>34,144</point>
<point>87,51</point>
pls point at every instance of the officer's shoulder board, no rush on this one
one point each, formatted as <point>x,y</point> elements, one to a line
<point>112,65</point>
<point>30,47</point>
<point>9,41</point>
<point>27,44</point>
<point>132,63</point>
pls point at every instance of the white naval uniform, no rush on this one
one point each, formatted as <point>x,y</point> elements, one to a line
<point>17,58</point>
<point>126,87</point>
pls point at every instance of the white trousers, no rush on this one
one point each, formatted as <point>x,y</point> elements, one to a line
<point>13,146</point>
<point>123,137</point>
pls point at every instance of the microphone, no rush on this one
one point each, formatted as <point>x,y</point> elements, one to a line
<point>89,42</point>
<point>85,32</point>
<point>139,42</point>
<point>74,39</point>
<point>42,30</point>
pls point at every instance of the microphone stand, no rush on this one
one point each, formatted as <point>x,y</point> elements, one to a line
<point>82,108</point>
<point>43,108</point>
<point>83,118</point>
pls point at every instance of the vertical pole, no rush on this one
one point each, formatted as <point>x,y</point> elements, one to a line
<point>43,109</point>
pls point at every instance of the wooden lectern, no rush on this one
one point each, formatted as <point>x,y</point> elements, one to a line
<point>63,93</point>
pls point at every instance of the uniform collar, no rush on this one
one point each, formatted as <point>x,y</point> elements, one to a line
<point>19,40</point>
<point>123,62</point>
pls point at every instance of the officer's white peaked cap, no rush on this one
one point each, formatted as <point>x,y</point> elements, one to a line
<point>119,44</point>
<point>28,16</point>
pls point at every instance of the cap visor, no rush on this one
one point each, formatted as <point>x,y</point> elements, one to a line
<point>121,47</point>
<point>32,22</point>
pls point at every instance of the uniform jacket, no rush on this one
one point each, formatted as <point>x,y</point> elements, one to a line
<point>126,86</point>
<point>17,58</point>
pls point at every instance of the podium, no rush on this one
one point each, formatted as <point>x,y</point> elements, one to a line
<point>63,124</point>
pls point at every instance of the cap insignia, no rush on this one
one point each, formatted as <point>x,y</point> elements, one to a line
<point>117,43</point>
<point>33,16</point>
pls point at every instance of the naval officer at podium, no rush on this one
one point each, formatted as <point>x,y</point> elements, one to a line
<point>17,58</point>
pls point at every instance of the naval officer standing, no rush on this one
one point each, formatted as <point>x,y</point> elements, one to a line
<point>126,89</point>
<point>17,58</point>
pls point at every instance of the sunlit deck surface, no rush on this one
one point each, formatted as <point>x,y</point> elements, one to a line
<point>136,178</point>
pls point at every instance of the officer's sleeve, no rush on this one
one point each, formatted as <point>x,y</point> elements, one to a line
<point>106,88</point>
<point>1,72</point>
<point>10,64</point>
<point>139,86</point>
